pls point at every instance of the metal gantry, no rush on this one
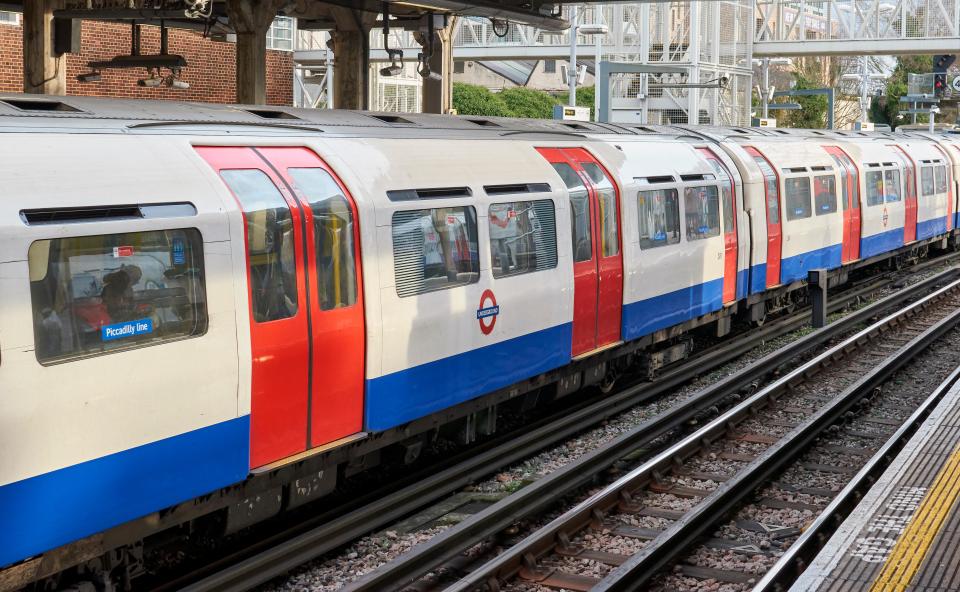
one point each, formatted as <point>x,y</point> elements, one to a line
<point>856,27</point>
<point>709,40</point>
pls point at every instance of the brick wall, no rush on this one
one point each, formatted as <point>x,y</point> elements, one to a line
<point>210,71</point>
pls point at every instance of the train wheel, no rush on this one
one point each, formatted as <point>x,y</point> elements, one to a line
<point>609,381</point>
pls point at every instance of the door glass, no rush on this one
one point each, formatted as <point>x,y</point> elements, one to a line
<point>333,234</point>
<point>270,246</point>
<point>607,197</point>
<point>579,212</point>
<point>845,193</point>
<point>772,191</point>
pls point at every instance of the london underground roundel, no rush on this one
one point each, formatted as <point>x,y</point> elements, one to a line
<point>487,312</point>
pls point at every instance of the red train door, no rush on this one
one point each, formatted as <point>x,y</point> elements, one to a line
<point>949,165</point>
<point>771,189</point>
<point>597,262</point>
<point>850,185</point>
<point>729,199</point>
<point>910,201</point>
<point>277,287</point>
<point>334,290</point>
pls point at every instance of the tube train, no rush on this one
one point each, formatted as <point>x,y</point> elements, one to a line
<point>211,309</point>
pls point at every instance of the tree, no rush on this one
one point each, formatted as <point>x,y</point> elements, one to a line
<point>472,99</point>
<point>813,109</point>
<point>528,103</point>
<point>586,95</point>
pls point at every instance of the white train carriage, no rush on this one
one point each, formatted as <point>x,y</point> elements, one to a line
<point>686,251</point>
<point>929,176</point>
<point>469,279</point>
<point>803,217</point>
<point>326,285</point>
<point>91,440</point>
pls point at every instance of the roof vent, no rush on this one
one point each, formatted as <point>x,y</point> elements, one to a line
<point>39,105</point>
<point>39,216</point>
<point>484,122</point>
<point>271,114</point>
<point>433,193</point>
<point>516,188</point>
<point>659,179</point>
<point>392,119</point>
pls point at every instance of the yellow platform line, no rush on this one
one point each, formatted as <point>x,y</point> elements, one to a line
<point>908,554</point>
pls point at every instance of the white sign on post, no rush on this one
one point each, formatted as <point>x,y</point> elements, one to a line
<point>955,85</point>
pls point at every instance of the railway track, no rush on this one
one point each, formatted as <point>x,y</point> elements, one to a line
<point>276,555</point>
<point>712,494</point>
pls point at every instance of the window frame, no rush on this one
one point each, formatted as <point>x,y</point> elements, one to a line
<point>429,211</point>
<point>201,290</point>
<point>936,178</point>
<point>788,209</point>
<point>719,213</point>
<point>490,239</point>
<point>816,206</point>
<point>678,214</point>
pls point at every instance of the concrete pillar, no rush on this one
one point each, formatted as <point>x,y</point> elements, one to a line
<point>250,20</point>
<point>351,57</point>
<point>43,71</point>
<point>438,94</point>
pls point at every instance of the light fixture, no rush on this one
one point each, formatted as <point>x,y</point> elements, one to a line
<point>176,83</point>
<point>89,77</point>
<point>153,79</point>
<point>394,54</point>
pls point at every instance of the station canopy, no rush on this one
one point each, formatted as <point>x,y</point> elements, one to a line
<point>213,16</point>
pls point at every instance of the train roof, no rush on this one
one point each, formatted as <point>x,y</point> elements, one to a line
<point>21,112</point>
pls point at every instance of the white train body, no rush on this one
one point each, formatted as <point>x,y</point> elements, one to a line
<point>194,300</point>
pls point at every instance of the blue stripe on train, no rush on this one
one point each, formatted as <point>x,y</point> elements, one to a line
<point>743,278</point>
<point>646,316</point>
<point>49,510</point>
<point>415,392</point>
<point>881,242</point>
<point>758,278</point>
<point>796,267</point>
<point>931,227</point>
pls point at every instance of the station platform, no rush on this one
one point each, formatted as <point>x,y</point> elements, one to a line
<point>905,533</point>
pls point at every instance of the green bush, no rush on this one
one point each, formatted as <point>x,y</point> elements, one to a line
<point>528,103</point>
<point>471,99</point>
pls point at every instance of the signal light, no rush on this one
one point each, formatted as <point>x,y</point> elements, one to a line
<point>939,84</point>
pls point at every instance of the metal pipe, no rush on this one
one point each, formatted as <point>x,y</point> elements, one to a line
<point>572,68</point>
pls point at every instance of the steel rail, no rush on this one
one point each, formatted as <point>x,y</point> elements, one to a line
<point>636,571</point>
<point>243,571</point>
<point>539,495</point>
<point>814,537</point>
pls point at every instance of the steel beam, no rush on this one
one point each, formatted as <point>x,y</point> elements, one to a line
<point>840,47</point>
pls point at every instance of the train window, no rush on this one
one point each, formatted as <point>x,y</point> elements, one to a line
<point>926,181</point>
<point>874,183</point>
<point>702,212</point>
<point>435,249</point>
<point>659,212</point>
<point>825,194</point>
<point>941,178</point>
<point>891,185</point>
<point>771,190</point>
<point>579,212</point>
<point>726,193</point>
<point>333,237</point>
<point>99,294</point>
<point>270,246</point>
<point>607,199</point>
<point>797,193</point>
<point>523,237</point>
